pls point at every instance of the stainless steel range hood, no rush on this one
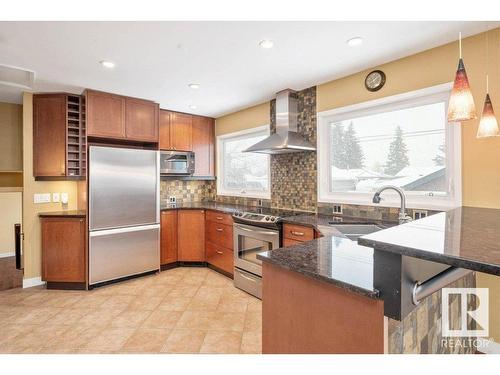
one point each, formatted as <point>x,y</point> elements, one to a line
<point>286,139</point>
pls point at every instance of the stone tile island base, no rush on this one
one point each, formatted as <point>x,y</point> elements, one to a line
<point>301,315</point>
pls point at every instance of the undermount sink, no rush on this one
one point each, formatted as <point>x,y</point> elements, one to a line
<point>353,231</point>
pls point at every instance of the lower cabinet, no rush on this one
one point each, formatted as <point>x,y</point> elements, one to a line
<point>220,257</point>
<point>168,246</point>
<point>191,235</point>
<point>63,250</point>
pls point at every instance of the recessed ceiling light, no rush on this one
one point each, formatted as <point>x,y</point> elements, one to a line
<point>356,41</point>
<point>266,43</point>
<point>194,86</point>
<point>107,64</point>
<point>192,106</point>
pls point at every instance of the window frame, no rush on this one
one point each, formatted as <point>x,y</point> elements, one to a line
<point>220,162</point>
<point>415,98</point>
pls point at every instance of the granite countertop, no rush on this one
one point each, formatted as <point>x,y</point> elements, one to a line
<point>64,213</point>
<point>464,237</point>
<point>209,205</point>
<point>336,260</point>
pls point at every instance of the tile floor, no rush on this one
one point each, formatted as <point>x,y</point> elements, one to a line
<point>183,310</point>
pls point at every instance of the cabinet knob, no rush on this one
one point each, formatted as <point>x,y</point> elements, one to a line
<point>297,233</point>
<point>219,229</point>
<point>219,252</point>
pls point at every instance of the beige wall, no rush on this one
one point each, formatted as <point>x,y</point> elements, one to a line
<point>11,141</point>
<point>245,119</point>
<point>11,208</point>
<point>480,172</point>
<point>31,222</point>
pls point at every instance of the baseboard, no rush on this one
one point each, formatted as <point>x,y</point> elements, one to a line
<point>489,346</point>
<point>34,281</point>
<point>7,255</point>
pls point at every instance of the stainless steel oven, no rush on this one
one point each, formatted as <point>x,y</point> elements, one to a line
<point>177,163</point>
<point>249,240</point>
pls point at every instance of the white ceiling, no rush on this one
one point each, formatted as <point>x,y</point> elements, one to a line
<point>157,60</point>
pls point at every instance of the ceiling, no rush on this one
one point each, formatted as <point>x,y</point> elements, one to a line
<point>157,60</point>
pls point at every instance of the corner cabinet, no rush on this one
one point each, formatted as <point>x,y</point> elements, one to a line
<point>117,117</point>
<point>168,245</point>
<point>185,132</point>
<point>59,139</point>
<point>191,235</point>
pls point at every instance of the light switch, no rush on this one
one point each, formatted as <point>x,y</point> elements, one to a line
<point>41,198</point>
<point>64,198</point>
<point>55,197</point>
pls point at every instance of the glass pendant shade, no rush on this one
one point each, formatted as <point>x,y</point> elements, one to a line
<point>461,105</point>
<point>488,126</point>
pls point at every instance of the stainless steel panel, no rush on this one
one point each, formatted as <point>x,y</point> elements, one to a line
<point>123,187</point>
<point>248,282</point>
<point>123,252</point>
<point>250,240</point>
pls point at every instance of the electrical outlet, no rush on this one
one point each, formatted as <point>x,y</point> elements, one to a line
<point>419,214</point>
<point>55,197</point>
<point>337,209</point>
<point>41,198</point>
<point>64,198</point>
<point>172,199</point>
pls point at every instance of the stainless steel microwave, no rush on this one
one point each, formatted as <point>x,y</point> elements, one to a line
<point>176,163</point>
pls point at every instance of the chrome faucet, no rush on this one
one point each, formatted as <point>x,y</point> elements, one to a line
<point>403,217</point>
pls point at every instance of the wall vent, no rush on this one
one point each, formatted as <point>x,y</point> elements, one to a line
<point>16,77</point>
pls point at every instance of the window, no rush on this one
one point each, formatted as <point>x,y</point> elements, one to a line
<point>403,140</point>
<point>243,173</point>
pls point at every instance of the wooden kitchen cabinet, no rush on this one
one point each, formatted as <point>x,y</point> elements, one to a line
<point>63,250</point>
<point>105,115</point>
<point>164,131</point>
<point>298,232</point>
<point>203,146</point>
<point>191,235</point>
<point>141,120</point>
<point>220,257</point>
<point>168,244</point>
<point>219,241</point>
<point>59,141</point>
<point>181,131</point>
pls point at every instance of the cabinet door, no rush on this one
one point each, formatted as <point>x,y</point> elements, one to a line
<point>191,235</point>
<point>63,249</point>
<point>181,131</point>
<point>105,115</point>
<point>49,135</point>
<point>203,145</point>
<point>168,237</point>
<point>165,143</point>
<point>141,120</point>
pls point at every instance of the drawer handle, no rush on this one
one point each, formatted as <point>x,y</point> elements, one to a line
<point>219,217</point>
<point>219,229</point>
<point>248,278</point>
<point>219,252</point>
<point>296,233</point>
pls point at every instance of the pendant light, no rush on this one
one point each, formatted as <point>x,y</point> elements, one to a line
<point>488,126</point>
<point>461,105</point>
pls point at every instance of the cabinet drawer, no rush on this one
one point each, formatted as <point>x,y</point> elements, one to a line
<point>220,234</point>
<point>219,217</point>
<point>298,232</point>
<point>220,257</point>
<point>289,242</point>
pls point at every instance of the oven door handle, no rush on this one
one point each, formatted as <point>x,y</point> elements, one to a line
<point>257,231</point>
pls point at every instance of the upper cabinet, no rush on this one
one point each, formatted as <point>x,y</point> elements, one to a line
<point>59,142</point>
<point>184,132</point>
<point>117,117</point>
<point>203,145</point>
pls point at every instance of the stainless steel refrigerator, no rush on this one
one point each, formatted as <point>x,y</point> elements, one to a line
<point>124,212</point>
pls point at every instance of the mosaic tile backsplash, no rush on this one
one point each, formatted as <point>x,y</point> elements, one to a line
<point>187,190</point>
<point>293,176</point>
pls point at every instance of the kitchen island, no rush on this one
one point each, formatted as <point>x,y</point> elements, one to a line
<point>335,295</point>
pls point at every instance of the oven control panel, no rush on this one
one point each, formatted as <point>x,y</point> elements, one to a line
<point>256,218</point>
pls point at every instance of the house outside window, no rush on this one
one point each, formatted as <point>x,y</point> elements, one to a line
<point>241,173</point>
<point>402,140</point>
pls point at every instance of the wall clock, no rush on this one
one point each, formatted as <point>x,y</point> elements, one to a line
<point>375,80</point>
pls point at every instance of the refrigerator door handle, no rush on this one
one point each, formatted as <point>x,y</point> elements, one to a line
<point>106,232</point>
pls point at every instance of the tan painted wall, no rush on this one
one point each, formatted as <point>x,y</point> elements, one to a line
<point>11,204</point>
<point>480,172</point>
<point>31,222</point>
<point>245,119</point>
<point>11,135</point>
<point>493,283</point>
